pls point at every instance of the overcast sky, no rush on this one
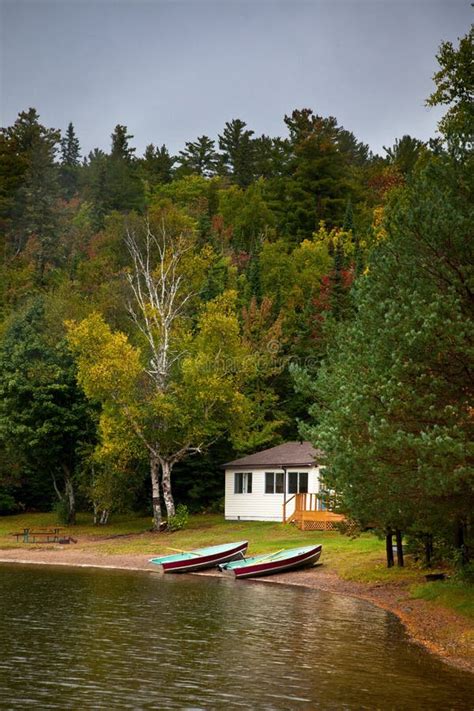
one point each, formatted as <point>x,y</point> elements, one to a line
<point>174,70</point>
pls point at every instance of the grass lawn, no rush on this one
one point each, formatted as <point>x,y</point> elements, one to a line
<point>131,534</point>
<point>360,560</point>
<point>458,595</point>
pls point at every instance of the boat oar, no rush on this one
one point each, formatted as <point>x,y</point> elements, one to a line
<point>270,555</point>
<point>180,550</point>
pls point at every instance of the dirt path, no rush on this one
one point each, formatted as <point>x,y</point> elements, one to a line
<point>440,630</point>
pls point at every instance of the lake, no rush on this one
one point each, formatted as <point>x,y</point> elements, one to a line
<point>94,639</point>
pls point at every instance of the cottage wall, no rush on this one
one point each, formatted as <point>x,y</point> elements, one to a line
<point>259,506</point>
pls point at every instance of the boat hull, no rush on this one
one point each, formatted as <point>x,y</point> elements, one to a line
<point>210,559</point>
<point>271,567</point>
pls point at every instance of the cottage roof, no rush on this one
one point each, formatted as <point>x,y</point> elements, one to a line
<point>290,454</point>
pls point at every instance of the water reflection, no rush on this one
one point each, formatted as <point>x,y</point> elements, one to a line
<point>112,640</point>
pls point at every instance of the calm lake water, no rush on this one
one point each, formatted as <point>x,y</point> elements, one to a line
<point>89,639</point>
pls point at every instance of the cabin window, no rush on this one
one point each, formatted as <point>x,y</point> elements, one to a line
<point>274,482</point>
<point>243,483</point>
<point>297,482</point>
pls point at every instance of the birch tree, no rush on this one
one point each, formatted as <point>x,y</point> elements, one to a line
<point>177,386</point>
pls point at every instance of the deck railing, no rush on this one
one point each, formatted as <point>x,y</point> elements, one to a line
<point>309,509</point>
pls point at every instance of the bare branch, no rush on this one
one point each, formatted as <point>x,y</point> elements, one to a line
<point>158,296</point>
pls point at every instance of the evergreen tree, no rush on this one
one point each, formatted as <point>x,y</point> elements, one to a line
<point>348,224</point>
<point>34,212</point>
<point>70,154</point>
<point>13,165</point>
<point>121,149</point>
<point>393,394</point>
<point>113,182</point>
<point>156,165</point>
<point>95,185</point>
<point>237,148</point>
<point>199,157</point>
<point>70,148</point>
<point>404,154</point>
<point>124,186</point>
<point>43,414</point>
<point>324,158</point>
<point>339,293</point>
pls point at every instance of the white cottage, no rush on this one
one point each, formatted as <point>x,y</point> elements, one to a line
<point>277,484</point>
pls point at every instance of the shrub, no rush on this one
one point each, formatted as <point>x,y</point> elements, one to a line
<point>8,504</point>
<point>180,519</point>
<point>61,510</point>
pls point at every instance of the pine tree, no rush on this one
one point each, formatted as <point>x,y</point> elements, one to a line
<point>254,279</point>
<point>96,185</point>
<point>120,144</point>
<point>157,165</point>
<point>69,171</point>
<point>348,224</point>
<point>404,154</point>
<point>199,157</point>
<point>43,413</point>
<point>34,212</point>
<point>339,292</point>
<point>70,148</point>
<point>124,186</point>
<point>393,395</point>
<point>237,148</point>
<point>324,161</point>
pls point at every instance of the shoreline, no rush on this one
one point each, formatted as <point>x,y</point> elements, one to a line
<point>439,630</point>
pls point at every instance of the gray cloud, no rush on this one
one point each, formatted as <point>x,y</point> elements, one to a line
<point>174,70</point>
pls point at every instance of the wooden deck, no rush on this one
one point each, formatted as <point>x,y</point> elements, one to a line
<point>306,512</point>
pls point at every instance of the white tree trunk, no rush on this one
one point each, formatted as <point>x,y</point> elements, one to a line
<point>70,496</point>
<point>166,467</point>
<point>155,491</point>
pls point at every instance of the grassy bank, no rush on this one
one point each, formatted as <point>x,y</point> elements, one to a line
<point>361,560</point>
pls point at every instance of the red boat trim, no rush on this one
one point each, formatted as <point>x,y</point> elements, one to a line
<point>276,566</point>
<point>208,561</point>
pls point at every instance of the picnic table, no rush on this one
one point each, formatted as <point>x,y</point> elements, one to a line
<point>41,535</point>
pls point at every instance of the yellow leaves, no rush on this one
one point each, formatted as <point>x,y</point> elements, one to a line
<point>201,399</point>
<point>117,441</point>
<point>330,239</point>
<point>218,326</point>
<point>378,224</point>
<point>108,365</point>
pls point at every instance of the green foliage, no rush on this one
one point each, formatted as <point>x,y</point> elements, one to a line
<point>455,89</point>
<point>237,149</point>
<point>70,154</point>
<point>393,413</point>
<point>156,165</point>
<point>8,504</point>
<point>453,594</point>
<point>180,519</point>
<point>61,511</point>
<point>43,414</point>
<point>199,157</point>
<point>29,151</point>
<point>113,182</point>
<point>293,249</point>
<point>404,154</point>
<point>248,214</point>
<point>324,164</point>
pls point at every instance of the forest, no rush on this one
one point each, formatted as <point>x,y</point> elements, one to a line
<point>161,314</point>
